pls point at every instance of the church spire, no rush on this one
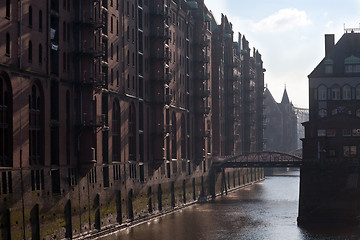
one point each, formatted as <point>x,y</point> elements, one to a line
<point>285,98</point>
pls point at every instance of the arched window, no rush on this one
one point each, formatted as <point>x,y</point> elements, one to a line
<point>35,127</point>
<point>335,93</point>
<point>40,54</point>
<point>357,92</point>
<point>116,136</point>
<point>183,138</point>
<point>132,133</point>
<point>322,92</point>
<point>346,92</point>
<point>30,52</point>
<point>30,16</point>
<point>7,47</point>
<point>5,124</point>
<point>174,137</point>
<point>40,20</point>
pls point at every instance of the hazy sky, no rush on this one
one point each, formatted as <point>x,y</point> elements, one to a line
<point>290,36</point>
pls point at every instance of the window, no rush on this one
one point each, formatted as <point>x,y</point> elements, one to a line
<point>7,14</point>
<point>346,93</point>
<point>117,52</point>
<point>111,24</point>
<point>329,68</point>
<point>330,132</point>
<point>133,59</point>
<point>322,92</point>
<point>30,16</point>
<point>40,21</point>
<point>322,113</point>
<point>111,51</point>
<point>356,132</point>
<point>128,57</point>
<point>358,113</point>
<point>331,153</point>
<point>335,93</point>
<point>35,129</point>
<point>64,62</point>
<point>346,132</point>
<point>351,68</point>
<point>128,33</point>
<point>64,31</point>
<point>117,78</point>
<point>7,48</point>
<point>5,123</point>
<point>116,123</point>
<point>132,133</point>
<point>358,92</point>
<point>40,54</point>
<point>30,52</point>
<point>117,27</point>
<point>127,8</point>
<point>112,76</point>
<point>173,137</point>
<point>321,132</point>
<point>349,151</point>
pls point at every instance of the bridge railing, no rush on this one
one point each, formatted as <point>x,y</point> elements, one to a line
<point>264,158</point>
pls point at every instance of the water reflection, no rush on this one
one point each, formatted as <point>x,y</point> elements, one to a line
<point>267,210</point>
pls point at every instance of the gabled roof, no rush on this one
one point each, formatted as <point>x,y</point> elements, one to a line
<point>345,51</point>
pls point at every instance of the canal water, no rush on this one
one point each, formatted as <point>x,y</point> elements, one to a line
<point>266,210</point>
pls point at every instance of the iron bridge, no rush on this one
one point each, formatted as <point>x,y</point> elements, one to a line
<point>265,159</point>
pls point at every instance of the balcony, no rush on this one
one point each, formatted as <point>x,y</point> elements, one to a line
<point>95,79</point>
<point>206,110</point>
<point>168,99</point>
<point>162,54</point>
<point>89,49</point>
<point>159,11</point>
<point>87,19</point>
<point>163,129</point>
<point>204,76</point>
<point>160,32</point>
<point>205,93</point>
<point>88,120</point>
<point>202,58</point>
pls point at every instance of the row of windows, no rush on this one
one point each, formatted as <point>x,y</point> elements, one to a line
<point>346,132</point>
<point>349,68</point>
<point>337,93</point>
<point>338,110</point>
<point>346,151</point>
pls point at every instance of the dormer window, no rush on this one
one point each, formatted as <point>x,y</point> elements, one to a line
<point>352,64</point>
<point>329,66</point>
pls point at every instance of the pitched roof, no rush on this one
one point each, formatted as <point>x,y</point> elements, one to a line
<point>345,51</point>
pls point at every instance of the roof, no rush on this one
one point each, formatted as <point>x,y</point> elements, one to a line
<point>345,51</point>
<point>285,98</point>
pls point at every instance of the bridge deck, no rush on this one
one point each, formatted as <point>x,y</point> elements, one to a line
<point>259,159</point>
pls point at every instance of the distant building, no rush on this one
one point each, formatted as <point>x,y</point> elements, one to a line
<point>281,124</point>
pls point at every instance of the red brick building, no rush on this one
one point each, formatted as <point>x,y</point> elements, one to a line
<point>104,101</point>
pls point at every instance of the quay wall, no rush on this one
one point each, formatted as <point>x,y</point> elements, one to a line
<point>87,206</point>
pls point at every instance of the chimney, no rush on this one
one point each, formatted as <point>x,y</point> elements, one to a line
<point>329,43</point>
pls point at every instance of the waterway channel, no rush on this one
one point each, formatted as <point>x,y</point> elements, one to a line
<point>266,210</point>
